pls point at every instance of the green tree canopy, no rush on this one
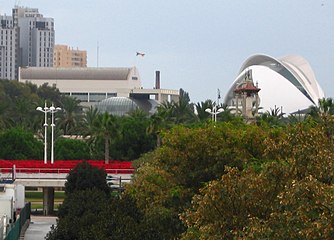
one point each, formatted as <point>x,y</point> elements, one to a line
<point>168,178</point>
<point>71,149</point>
<point>289,198</point>
<point>17,143</point>
<point>84,177</point>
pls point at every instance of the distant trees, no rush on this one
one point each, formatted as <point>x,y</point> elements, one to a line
<point>71,115</point>
<point>72,149</point>
<point>105,127</point>
<point>17,143</point>
<point>133,139</point>
<point>325,106</point>
<point>125,138</point>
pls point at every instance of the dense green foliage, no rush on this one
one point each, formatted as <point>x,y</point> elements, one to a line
<point>240,182</point>
<point>71,149</point>
<point>228,181</point>
<point>84,177</point>
<point>107,136</point>
<point>17,143</point>
<point>87,186</point>
<point>272,179</point>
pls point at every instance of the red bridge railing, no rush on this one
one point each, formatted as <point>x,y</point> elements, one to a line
<point>62,166</point>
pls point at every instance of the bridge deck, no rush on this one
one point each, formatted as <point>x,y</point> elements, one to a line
<point>36,173</point>
<point>63,166</point>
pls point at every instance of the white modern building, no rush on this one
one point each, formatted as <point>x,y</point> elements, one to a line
<point>37,37</point>
<point>8,48</point>
<point>27,39</point>
<point>92,85</point>
<point>86,84</point>
<point>288,83</point>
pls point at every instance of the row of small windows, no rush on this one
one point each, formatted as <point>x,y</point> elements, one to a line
<point>41,24</point>
<point>50,34</point>
<point>6,23</point>
<point>8,32</point>
<point>4,43</point>
<point>90,97</point>
<point>6,65</point>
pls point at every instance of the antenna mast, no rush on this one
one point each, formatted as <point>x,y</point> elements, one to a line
<point>97,54</point>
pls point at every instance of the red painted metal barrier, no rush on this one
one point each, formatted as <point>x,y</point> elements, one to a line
<point>63,166</point>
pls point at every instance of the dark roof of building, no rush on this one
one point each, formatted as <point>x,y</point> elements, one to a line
<point>81,73</point>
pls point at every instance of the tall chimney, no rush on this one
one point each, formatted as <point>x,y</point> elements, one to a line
<point>157,79</point>
<point>157,83</point>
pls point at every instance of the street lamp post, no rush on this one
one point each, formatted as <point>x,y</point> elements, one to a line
<point>45,110</point>
<point>53,110</point>
<point>214,112</point>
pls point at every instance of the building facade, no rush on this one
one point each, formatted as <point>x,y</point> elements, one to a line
<point>64,56</point>
<point>93,85</point>
<point>8,48</point>
<point>27,40</point>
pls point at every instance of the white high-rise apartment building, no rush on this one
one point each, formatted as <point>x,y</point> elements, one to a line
<point>28,40</point>
<point>8,48</point>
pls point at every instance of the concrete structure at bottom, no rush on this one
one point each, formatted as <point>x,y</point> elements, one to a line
<point>11,202</point>
<point>40,228</point>
<point>48,182</point>
<point>48,185</point>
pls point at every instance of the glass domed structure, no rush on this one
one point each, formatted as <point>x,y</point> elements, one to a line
<point>120,106</point>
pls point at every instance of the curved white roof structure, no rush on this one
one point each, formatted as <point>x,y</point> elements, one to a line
<point>288,82</point>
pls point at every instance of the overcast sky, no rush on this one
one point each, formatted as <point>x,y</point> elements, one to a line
<point>198,45</point>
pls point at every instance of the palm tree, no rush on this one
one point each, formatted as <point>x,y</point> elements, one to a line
<point>274,117</point>
<point>177,112</point>
<point>71,115</point>
<point>103,126</point>
<point>325,107</point>
<point>167,111</point>
<point>226,115</point>
<point>202,115</point>
<point>155,127</point>
<point>88,119</point>
<point>183,109</point>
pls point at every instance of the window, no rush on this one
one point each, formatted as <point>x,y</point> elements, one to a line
<point>96,97</point>
<point>40,25</point>
<point>83,97</point>
<point>111,95</point>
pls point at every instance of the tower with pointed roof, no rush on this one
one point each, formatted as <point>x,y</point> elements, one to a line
<point>247,98</point>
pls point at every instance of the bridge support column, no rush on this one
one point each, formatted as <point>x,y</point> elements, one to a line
<point>48,200</point>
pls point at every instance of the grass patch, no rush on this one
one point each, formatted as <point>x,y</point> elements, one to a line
<point>40,206</point>
<point>36,199</point>
<point>39,195</point>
